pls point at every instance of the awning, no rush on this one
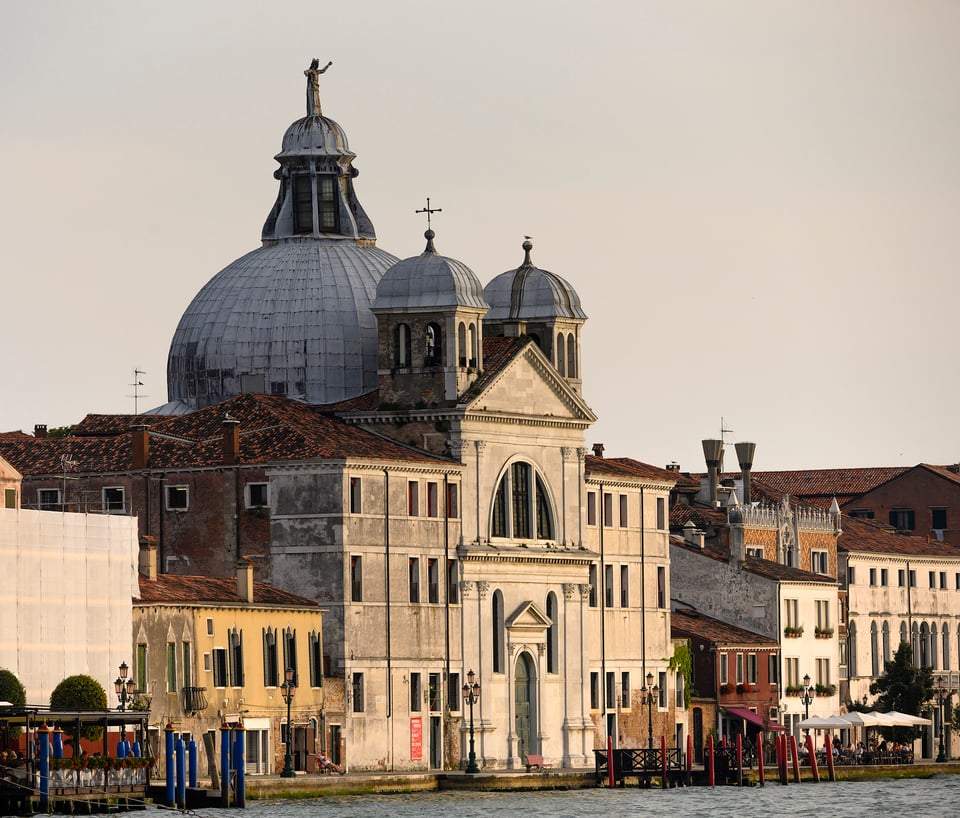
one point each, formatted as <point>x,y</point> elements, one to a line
<point>752,718</point>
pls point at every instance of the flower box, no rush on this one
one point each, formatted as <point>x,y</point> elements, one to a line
<point>793,632</point>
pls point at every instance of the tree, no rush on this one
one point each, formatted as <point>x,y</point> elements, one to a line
<point>13,691</point>
<point>80,692</point>
<point>903,687</point>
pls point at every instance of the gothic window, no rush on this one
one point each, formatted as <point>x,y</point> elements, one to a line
<point>462,344</point>
<point>571,356</point>
<point>271,670</point>
<point>874,651</point>
<point>473,345</point>
<point>903,633</point>
<point>236,657</point>
<point>498,631</point>
<point>946,648</point>
<point>290,653</point>
<point>521,506</point>
<point>401,346</point>
<point>886,641</point>
<point>561,355</point>
<point>933,646</point>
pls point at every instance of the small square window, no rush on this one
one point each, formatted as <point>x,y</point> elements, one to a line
<point>113,499</point>
<point>48,499</point>
<point>258,495</point>
<point>178,498</point>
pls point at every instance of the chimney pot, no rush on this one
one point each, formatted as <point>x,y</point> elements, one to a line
<point>745,453</point>
<point>140,440</point>
<point>598,449</point>
<point>231,440</point>
<point>40,430</point>
<point>147,562</point>
<point>245,579</point>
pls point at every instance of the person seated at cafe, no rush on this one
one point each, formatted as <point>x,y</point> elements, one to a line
<point>883,746</point>
<point>861,749</point>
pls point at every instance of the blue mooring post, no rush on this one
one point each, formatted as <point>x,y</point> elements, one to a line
<point>181,774</point>
<point>239,764</point>
<point>57,742</point>
<point>192,766</point>
<point>224,765</point>
<point>169,764</point>
<point>43,744</point>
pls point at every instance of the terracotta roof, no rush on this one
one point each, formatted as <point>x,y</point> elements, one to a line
<point>497,353</point>
<point>192,590</point>
<point>627,467</point>
<point>820,486</point>
<point>754,565</point>
<point>876,538</point>
<point>272,429</point>
<point>692,623</point>
<point>700,516</point>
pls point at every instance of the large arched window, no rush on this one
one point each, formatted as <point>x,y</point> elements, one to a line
<point>561,354</point>
<point>521,507</point>
<point>874,651</point>
<point>401,346</point>
<point>498,631</point>
<point>552,642</point>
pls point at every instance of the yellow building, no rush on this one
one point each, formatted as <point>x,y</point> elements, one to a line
<point>211,651</point>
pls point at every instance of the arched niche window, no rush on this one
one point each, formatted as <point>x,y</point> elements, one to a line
<point>498,631</point>
<point>571,356</point>
<point>946,647</point>
<point>874,651</point>
<point>903,633</point>
<point>521,507</point>
<point>401,346</point>
<point>462,344</point>
<point>924,654</point>
<point>852,649</point>
<point>472,331</point>
<point>915,645</point>
<point>561,354</point>
<point>432,345</point>
<point>552,641</point>
<point>934,646</point>
<point>886,641</point>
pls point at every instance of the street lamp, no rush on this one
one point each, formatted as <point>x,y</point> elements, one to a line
<point>125,688</point>
<point>289,688</point>
<point>471,694</point>
<point>651,691</point>
<point>941,755</point>
<point>807,697</point>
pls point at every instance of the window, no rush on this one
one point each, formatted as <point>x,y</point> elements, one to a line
<point>938,519</point>
<point>357,691</point>
<point>791,612</point>
<point>236,658</point>
<point>433,345</point>
<point>413,498</point>
<point>608,585</point>
<point>773,668</point>
<point>823,614</point>
<point>873,576</point>
<point>607,509</point>
<point>661,587</point>
<point>661,514</point>
<point>571,356</point>
<point>453,692</point>
<point>521,509</point>
<point>739,660</point>
<point>187,667</point>
<point>315,643</point>
<point>271,668</point>
<point>289,654</point>
<point>433,581</point>
<point>752,668</point>
<point>415,692</point>
<point>624,586</point>
<point>171,667</point>
<point>302,204</point>
<point>433,509</point>
<point>791,668</point>
<point>591,508</point>
<point>413,573</point>
<point>9,498</point>
<point>356,578</point>
<point>755,551</point>
<point>258,495</point>
<point>823,672</point>
<point>610,701</point>
<point>623,511</point>
<point>625,691</point>
<point>886,641</point>
<point>219,667</point>
<point>850,575</point>
<point>874,651</point>
<point>724,669</point>
<point>594,690</point>
<point>862,513</point>
<point>819,562</point>
<point>552,641</point>
<point>884,576</point>
<point>434,693</point>
<point>902,519</point>
<point>452,507</point>
<point>141,671</point>
<point>178,498</point>
<point>112,499</point>
<point>913,578</point>
<point>48,499</point>
<point>593,585</point>
<point>462,344</point>
<point>327,204</point>
<point>901,577</point>
<point>943,580</point>
<point>663,689</point>
<point>209,626</point>
<point>453,587</point>
<point>497,609</point>
<point>401,351</point>
<point>561,354</point>
<point>355,505</point>
<point>851,650</point>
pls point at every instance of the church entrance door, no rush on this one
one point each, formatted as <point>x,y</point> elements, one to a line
<point>524,701</point>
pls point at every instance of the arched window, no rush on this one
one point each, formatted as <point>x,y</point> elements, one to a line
<point>874,651</point>
<point>903,633</point>
<point>401,346</point>
<point>934,646</point>
<point>946,647</point>
<point>915,644</point>
<point>561,354</point>
<point>552,642</point>
<point>432,345</point>
<point>472,332</point>
<point>852,650</point>
<point>924,654</point>
<point>571,356</point>
<point>886,641</point>
<point>498,631</point>
<point>462,344</point>
<point>521,507</point>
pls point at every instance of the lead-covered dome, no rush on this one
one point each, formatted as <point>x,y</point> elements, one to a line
<point>292,317</point>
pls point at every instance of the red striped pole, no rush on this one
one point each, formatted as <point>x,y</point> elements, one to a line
<point>760,758</point>
<point>689,759</point>
<point>813,759</point>
<point>782,759</point>
<point>828,746</point>
<point>611,778</point>
<point>710,771</point>
<point>739,760</point>
<point>796,759</point>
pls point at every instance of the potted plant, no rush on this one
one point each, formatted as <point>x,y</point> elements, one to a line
<point>793,631</point>
<point>727,687</point>
<point>822,633</point>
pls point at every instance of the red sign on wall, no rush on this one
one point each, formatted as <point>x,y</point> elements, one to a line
<point>416,739</point>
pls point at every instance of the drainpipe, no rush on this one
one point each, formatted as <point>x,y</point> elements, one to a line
<point>603,599</point>
<point>446,602</point>
<point>643,595</point>
<point>386,551</point>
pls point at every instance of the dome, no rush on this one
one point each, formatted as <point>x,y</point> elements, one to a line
<point>529,293</point>
<point>429,281</point>
<point>292,317</point>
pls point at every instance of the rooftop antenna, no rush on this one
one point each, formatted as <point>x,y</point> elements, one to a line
<point>137,383</point>
<point>723,431</point>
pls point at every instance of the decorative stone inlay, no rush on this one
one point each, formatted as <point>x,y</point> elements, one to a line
<point>467,587</point>
<point>483,588</point>
<point>570,590</point>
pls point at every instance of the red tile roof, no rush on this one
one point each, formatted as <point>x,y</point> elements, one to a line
<point>873,537</point>
<point>820,486</point>
<point>692,623</point>
<point>191,590</point>
<point>628,468</point>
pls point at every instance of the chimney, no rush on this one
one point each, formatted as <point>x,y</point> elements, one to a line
<point>140,439</point>
<point>245,579</point>
<point>674,466</point>
<point>693,535</point>
<point>745,452</point>
<point>231,440</point>
<point>713,453</point>
<point>40,431</point>
<point>147,562</point>
<point>598,449</point>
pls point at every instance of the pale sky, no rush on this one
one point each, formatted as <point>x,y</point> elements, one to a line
<point>757,201</point>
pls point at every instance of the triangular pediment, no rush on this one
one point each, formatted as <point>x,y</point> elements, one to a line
<point>529,384</point>
<point>528,617</point>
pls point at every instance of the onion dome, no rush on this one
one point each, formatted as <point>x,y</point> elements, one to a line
<point>429,281</point>
<point>292,317</point>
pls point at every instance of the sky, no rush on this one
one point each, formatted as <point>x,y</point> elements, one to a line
<point>757,201</point>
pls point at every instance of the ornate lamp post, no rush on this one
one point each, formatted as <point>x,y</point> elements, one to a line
<point>941,754</point>
<point>652,690</point>
<point>288,688</point>
<point>124,688</point>
<point>806,698</point>
<point>471,694</point>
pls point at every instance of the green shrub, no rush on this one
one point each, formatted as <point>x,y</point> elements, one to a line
<point>80,692</point>
<point>13,691</point>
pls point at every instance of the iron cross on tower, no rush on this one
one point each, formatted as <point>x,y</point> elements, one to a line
<point>428,210</point>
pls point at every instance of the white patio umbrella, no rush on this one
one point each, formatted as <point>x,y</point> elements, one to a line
<point>862,719</point>
<point>907,720</point>
<point>823,723</point>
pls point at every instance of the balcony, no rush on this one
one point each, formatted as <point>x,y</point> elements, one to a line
<point>194,700</point>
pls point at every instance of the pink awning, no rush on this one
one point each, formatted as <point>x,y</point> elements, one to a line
<point>753,718</point>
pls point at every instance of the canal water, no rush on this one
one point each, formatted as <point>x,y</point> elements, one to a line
<point>886,798</point>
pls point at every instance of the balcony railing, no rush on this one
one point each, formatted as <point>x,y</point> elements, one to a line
<point>194,699</point>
